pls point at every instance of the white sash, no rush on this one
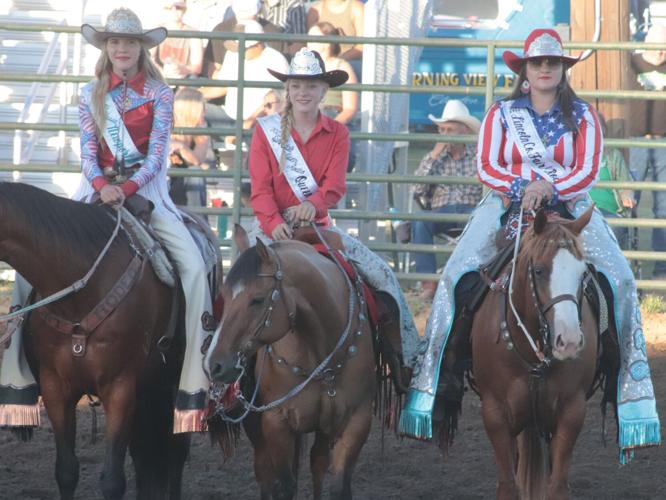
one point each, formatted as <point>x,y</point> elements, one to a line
<point>528,141</point>
<point>115,130</point>
<point>296,171</point>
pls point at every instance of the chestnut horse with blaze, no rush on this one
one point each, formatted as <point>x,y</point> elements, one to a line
<point>53,242</point>
<point>534,380</point>
<point>296,325</point>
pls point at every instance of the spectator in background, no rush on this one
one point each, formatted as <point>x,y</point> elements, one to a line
<point>237,12</point>
<point>347,17</point>
<point>258,58</point>
<point>651,69</point>
<point>614,202</point>
<point>287,16</point>
<point>179,57</point>
<point>273,102</point>
<point>341,105</point>
<point>445,159</point>
<point>639,18</point>
<point>189,150</point>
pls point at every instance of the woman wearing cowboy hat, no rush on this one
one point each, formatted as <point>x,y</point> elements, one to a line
<point>305,140</point>
<point>543,115</point>
<point>129,95</point>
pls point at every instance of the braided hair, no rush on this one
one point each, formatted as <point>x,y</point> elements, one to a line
<point>286,124</point>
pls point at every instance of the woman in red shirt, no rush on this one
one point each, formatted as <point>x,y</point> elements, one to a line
<point>298,163</point>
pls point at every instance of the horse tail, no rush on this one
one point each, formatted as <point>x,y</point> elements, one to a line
<point>533,465</point>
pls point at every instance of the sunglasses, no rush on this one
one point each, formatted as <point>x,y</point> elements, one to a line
<point>552,62</point>
<point>178,7</point>
<point>269,105</point>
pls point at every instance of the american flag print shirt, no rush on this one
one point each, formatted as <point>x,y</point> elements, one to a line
<point>502,167</point>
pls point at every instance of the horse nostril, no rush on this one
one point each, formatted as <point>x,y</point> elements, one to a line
<point>559,342</point>
<point>216,370</point>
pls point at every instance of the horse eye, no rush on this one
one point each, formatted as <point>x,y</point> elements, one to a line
<point>256,301</point>
<point>539,271</point>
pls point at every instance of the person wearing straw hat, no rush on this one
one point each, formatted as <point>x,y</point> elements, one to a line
<point>445,159</point>
<point>298,162</point>
<point>542,115</point>
<point>125,117</point>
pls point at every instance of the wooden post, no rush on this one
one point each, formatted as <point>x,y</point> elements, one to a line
<point>607,69</point>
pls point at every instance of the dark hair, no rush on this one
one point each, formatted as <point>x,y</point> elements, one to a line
<point>565,95</point>
<point>328,29</point>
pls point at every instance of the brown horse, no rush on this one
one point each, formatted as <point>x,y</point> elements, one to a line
<point>303,322</point>
<point>53,242</point>
<point>534,382</point>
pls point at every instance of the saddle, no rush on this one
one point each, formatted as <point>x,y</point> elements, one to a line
<point>136,214</point>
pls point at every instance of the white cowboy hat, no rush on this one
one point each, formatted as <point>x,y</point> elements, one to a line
<point>123,22</point>
<point>456,111</point>
<point>308,65</point>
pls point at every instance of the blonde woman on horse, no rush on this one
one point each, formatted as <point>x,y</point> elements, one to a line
<point>298,162</point>
<point>125,117</point>
<point>540,146</point>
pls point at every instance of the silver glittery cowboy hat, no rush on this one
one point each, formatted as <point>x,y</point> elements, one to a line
<point>308,65</point>
<point>539,43</point>
<point>123,22</point>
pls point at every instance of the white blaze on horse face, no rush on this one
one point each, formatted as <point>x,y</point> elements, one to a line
<point>565,278</point>
<point>237,289</point>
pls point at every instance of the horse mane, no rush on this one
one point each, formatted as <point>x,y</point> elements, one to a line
<point>549,239</point>
<point>56,222</point>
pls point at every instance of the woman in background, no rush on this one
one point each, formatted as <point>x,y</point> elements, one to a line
<point>189,150</point>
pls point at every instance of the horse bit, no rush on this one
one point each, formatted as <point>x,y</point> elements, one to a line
<point>322,371</point>
<point>543,353</point>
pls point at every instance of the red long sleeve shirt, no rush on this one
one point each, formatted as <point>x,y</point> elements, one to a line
<point>326,152</point>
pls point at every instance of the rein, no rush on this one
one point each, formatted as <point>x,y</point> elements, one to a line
<point>320,372</point>
<point>537,387</point>
<point>74,287</point>
<point>543,354</point>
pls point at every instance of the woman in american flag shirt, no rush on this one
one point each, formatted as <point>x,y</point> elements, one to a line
<point>540,146</point>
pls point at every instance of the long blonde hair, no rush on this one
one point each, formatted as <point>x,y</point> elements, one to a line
<point>286,124</point>
<point>103,78</point>
<point>188,110</point>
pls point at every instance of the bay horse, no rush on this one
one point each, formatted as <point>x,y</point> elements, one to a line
<point>534,382</point>
<point>52,242</point>
<point>302,321</point>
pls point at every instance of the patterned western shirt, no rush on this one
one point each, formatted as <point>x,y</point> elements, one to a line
<point>449,194</point>
<point>502,167</point>
<point>286,14</point>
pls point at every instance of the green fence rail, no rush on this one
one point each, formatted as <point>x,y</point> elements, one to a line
<point>236,173</point>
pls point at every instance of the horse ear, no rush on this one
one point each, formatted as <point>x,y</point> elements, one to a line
<point>240,238</point>
<point>540,221</point>
<point>262,250</point>
<point>576,226</point>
